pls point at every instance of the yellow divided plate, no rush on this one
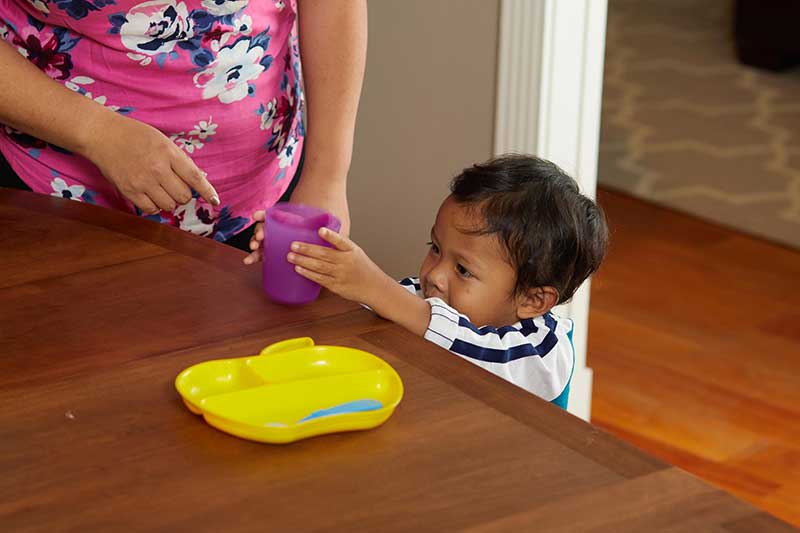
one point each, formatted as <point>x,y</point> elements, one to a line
<point>292,390</point>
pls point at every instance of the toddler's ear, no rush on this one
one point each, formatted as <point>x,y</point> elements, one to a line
<point>536,302</point>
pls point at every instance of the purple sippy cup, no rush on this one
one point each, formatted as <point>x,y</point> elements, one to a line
<point>286,223</point>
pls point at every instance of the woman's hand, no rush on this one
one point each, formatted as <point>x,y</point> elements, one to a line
<point>145,166</point>
<point>329,195</point>
<point>258,238</point>
<point>324,193</point>
<point>330,31</point>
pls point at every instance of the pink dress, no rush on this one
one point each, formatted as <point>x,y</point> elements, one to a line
<point>221,78</point>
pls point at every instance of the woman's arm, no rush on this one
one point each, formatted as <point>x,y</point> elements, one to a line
<point>139,160</point>
<point>39,106</point>
<point>333,48</point>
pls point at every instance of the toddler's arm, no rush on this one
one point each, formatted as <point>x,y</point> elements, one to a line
<point>350,273</point>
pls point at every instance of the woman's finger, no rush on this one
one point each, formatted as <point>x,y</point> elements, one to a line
<point>160,197</point>
<point>143,202</point>
<point>177,189</point>
<point>258,234</point>
<point>253,257</point>
<point>195,178</point>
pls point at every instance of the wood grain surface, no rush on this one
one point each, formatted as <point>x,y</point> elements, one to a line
<point>694,340</point>
<point>99,311</point>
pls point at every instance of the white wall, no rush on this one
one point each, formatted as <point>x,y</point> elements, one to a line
<point>550,76</point>
<point>427,111</point>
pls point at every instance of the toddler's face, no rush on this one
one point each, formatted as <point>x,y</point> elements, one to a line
<point>469,272</point>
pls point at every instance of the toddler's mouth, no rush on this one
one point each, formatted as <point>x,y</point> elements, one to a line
<point>428,294</point>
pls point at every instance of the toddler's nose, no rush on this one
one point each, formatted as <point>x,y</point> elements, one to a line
<point>436,284</point>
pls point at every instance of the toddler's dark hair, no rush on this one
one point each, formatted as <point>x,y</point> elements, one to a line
<point>553,235</point>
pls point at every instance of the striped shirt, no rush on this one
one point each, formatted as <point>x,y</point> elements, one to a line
<point>535,354</point>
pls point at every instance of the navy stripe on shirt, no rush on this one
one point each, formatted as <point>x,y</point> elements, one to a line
<point>493,355</point>
<point>409,282</point>
<point>528,327</point>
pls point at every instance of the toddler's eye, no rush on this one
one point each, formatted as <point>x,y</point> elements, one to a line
<point>463,271</point>
<point>434,248</point>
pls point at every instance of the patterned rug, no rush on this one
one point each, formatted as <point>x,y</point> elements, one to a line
<point>687,126</point>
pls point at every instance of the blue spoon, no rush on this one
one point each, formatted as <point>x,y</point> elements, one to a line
<point>349,407</point>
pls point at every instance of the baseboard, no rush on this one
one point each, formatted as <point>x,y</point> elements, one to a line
<point>580,397</point>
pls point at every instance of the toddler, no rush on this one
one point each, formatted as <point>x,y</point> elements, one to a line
<point>513,239</point>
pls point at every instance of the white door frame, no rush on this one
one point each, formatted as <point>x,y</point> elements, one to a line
<point>549,88</point>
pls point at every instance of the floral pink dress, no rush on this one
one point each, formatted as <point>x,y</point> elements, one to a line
<point>221,78</point>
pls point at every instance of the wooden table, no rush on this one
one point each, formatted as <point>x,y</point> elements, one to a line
<point>99,311</point>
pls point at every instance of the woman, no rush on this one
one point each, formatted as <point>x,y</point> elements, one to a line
<point>189,112</point>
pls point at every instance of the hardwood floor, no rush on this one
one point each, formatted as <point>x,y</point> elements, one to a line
<point>695,345</point>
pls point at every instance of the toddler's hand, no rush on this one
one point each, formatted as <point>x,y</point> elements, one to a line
<point>258,238</point>
<point>345,269</point>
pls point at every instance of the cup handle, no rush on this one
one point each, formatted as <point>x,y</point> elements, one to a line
<point>289,345</point>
